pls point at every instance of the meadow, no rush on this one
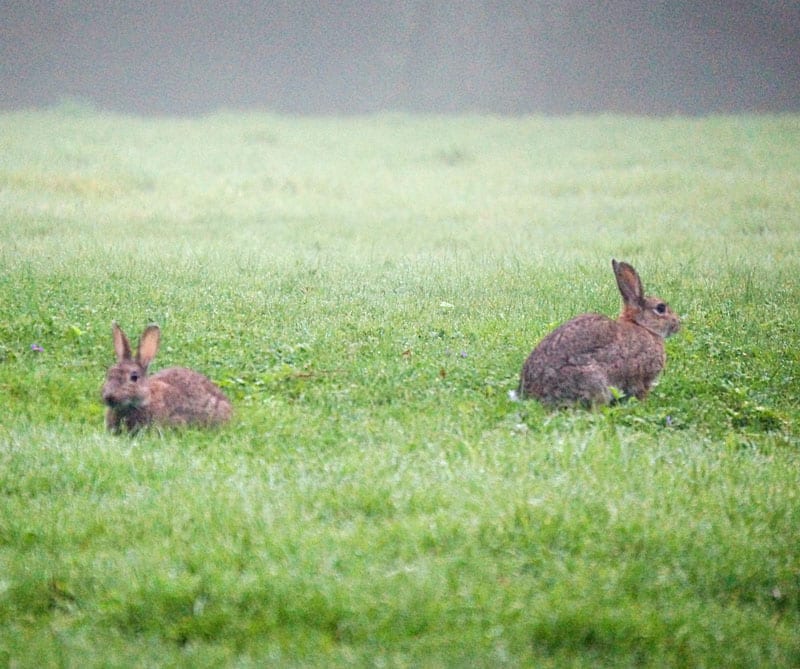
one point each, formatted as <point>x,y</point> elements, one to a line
<point>365,290</point>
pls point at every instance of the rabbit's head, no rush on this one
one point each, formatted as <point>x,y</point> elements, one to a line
<point>127,386</point>
<point>648,311</point>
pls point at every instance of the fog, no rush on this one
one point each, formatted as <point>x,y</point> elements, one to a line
<point>347,57</point>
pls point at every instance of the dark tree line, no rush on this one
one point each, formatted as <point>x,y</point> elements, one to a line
<point>355,56</point>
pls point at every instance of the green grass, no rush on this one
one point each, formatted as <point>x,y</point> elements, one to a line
<point>366,291</point>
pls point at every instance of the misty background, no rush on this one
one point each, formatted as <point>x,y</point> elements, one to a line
<point>353,57</point>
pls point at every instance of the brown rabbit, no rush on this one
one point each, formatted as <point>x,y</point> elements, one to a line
<point>583,360</point>
<point>175,396</point>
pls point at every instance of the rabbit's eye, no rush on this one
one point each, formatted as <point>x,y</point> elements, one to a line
<point>661,308</point>
<point>134,376</point>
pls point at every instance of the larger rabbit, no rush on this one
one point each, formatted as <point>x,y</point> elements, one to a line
<point>592,359</point>
<point>175,396</point>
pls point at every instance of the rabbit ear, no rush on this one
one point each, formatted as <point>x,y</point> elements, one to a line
<point>629,283</point>
<point>122,346</point>
<point>148,345</point>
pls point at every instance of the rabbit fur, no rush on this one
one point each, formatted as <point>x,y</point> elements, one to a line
<point>175,396</point>
<point>592,359</point>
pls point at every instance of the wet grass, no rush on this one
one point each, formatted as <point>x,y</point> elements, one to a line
<point>366,290</point>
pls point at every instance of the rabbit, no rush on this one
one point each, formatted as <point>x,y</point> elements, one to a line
<point>172,397</point>
<point>591,359</point>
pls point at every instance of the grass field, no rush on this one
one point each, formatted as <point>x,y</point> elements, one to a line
<point>366,290</point>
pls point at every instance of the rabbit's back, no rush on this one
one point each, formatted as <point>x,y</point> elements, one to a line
<point>181,396</point>
<point>563,368</point>
<point>581,361</point>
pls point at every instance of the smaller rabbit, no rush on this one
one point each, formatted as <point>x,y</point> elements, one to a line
<point>174,397</point>
<point>591,359</point>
